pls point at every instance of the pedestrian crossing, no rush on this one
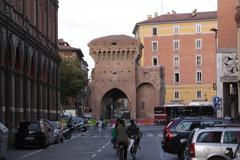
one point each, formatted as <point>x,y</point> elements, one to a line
<point>108,135</point>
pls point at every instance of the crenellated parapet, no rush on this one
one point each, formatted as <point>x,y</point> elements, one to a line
<point>115,47</point>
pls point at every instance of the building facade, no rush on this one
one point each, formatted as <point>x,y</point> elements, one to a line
<point>237,18</point>
<point>184,45</point>
<point>227,58</point>
<point>80,103</point>
<point>29,61</point>
<point>119,86</point>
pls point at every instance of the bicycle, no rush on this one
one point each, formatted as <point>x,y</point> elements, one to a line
<point>133,149</point>
<point>120,151</point>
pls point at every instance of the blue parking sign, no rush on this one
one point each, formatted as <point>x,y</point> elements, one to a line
<point>216,102</point>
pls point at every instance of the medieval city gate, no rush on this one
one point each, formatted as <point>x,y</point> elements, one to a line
<point>119,86</point>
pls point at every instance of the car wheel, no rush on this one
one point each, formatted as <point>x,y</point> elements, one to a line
<point>61,140</point>
<point>18,145</point>
<point>216,158</point>
<point>181,153</point>
<point>57,140</point>
<point>45,143</point>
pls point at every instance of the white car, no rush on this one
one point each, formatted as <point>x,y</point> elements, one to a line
<point>214,143</point>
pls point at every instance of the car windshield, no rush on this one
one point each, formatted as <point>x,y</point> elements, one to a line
<point>32,126</point>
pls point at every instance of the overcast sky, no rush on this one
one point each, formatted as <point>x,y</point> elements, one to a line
<point>81,21</point>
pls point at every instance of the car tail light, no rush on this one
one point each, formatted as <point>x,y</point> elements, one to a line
<point>169,134</point>
<point>165,129</point>
<point>192,150</point>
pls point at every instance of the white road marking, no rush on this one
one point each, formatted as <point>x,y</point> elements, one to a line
<point>30,154</point>
<point>103,147</point>
<point>99,150</point>
<point>150,135</point>
<point>94,155</point>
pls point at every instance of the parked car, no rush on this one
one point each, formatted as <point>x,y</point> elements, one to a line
<point>180,128</point>
<point>214,143</point>
<point>3,140</point>
<point>35,133</point>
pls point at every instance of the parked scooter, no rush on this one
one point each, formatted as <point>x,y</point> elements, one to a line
<point>82,127</point>
<point>67,133</point>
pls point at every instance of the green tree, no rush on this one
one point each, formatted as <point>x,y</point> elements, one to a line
<point>71,79</point>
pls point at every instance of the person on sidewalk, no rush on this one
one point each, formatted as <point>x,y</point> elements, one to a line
<point>99,125</point>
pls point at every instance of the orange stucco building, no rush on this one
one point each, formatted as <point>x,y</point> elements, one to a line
<point>185,45</point>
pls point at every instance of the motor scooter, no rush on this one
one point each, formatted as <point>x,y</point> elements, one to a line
<point>67,133</point>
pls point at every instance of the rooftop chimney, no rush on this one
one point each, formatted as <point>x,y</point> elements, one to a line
<point>174,12</point>
<point>194,12</point>
<point>155,14</point>
<point>149,16</point>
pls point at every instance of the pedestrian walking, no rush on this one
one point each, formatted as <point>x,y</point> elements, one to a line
<point>99,125</point>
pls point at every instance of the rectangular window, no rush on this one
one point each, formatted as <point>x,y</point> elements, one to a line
<point>198,60</point>
<point>176,45</point>
<point>154,31</point>
<point>155,61</point>
<point>209,137</point>
<point>198,28</point>
<point>199,76</point>
<point>176,77</point>
<point>176,95</point>
<point>199,94</point>
<point>231,137</point>
<point>154,46</point>
<point>175,30</point>
<point>198,44</point>
<point>176,62</point>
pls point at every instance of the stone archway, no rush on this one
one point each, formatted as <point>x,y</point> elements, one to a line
<point>114,104</point>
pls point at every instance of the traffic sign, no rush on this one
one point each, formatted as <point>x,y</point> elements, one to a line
<point>216,102</point>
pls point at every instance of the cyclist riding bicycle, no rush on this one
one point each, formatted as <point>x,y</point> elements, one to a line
<point>113,132</point>
<point>122,137</point>
<point>134,134</point>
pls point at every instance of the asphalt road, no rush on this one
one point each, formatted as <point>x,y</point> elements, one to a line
<point>95,146</point>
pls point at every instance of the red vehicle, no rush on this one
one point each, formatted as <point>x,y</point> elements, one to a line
<point>160,115</point>
<point>164,114</point>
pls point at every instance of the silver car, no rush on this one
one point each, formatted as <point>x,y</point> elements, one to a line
<point>214,143</point>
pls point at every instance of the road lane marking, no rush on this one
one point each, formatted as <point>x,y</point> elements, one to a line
<point>150,135</point>
<point>30,154</point>
<point>99,150</point>
<point>103,147</point>
<point>94,155</point>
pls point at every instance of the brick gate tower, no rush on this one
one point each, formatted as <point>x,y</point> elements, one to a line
<point>119,86</point>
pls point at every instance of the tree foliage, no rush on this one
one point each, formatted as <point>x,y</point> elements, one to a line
<point>71,79</point>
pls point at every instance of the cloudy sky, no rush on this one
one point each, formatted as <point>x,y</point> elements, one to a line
<point>81,21</point>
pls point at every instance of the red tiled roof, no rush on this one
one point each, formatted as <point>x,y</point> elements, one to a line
<point>178,18</point>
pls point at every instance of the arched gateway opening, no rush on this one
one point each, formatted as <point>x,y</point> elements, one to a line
<point>114,104</point>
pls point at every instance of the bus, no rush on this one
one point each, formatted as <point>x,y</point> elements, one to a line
<point>167,112</point>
